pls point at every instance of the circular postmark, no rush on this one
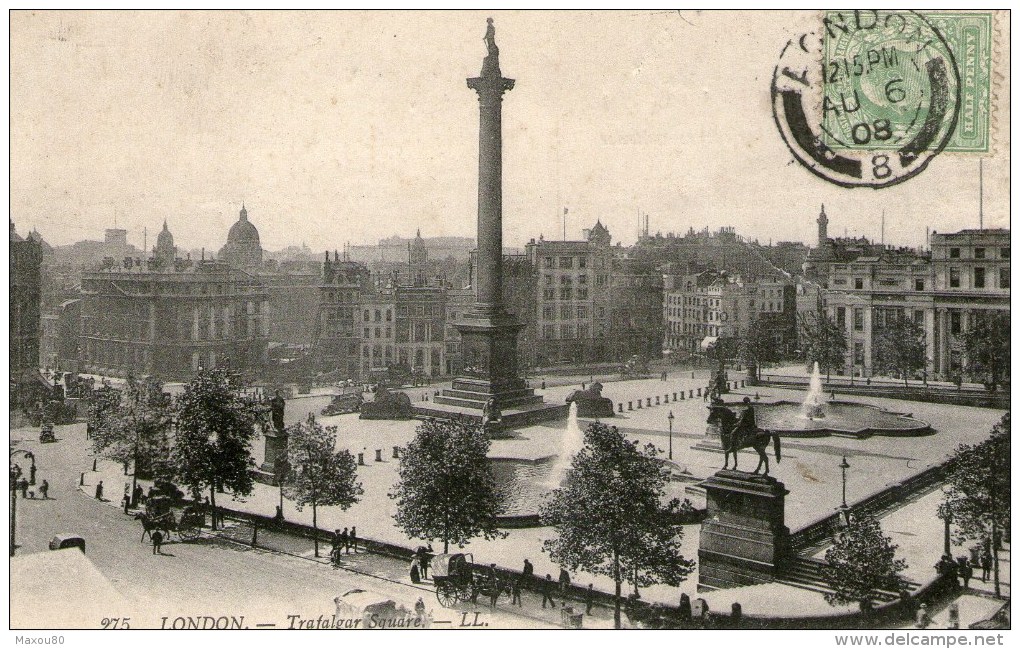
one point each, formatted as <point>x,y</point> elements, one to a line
<point>869,99</point>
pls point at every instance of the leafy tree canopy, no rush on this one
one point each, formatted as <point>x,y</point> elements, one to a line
<point>861,563</point>
<point>446,490</point>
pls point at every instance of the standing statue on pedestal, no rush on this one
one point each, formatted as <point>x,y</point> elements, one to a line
<point>276,408</point>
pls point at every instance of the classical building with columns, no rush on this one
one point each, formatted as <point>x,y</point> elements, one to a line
<point>965,275</point>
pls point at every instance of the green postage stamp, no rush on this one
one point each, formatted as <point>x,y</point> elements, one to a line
<point>882,88</point>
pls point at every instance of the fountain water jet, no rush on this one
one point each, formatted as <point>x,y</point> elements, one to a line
<point>813,406</point>
<point>570,444</point>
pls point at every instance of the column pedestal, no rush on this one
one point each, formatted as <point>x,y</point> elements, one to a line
<point>744,540</point>
<point>276,449</point>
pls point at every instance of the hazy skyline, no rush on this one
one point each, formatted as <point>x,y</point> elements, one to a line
<point>337,127</point>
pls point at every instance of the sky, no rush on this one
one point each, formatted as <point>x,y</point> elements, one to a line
<point>352,127</point>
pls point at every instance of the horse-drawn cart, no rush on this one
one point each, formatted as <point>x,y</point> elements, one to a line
<point>159,515</point>
<point>456,581</point>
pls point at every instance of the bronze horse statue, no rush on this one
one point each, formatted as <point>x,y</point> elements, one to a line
<point>734,439</point>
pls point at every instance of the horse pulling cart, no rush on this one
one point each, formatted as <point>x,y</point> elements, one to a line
<point>159,515</point>
<point>456,581</point>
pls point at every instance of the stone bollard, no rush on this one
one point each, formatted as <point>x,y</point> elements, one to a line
<point>620,407</point>
<point>649,402</point>
<point>674,397</point>
<point>639,404</point>
<point>665,398</point>
<point>378,455</point>
<point>682,396</point>
<point>743,383</point>
<point>630,405</point>
<point>656,400</point>
<point>94,464</point>
<point>361,459</point>
<point>81,480</point>
<point>396,452</point>
<point>699,392</point>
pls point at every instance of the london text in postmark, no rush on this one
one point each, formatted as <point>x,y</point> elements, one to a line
<point>871,97</point>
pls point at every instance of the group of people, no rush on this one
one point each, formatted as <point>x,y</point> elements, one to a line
<point>962,570</point>
<point>420,563</point>
<point>21,483</point>
<point>343,541</point>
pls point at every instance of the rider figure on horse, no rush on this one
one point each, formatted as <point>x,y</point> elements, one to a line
<point>746,426</point>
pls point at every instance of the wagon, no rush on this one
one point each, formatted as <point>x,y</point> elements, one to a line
<point>159,514</point>
<point>453,577</point>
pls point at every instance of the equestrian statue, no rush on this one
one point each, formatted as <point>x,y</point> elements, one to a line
<point>743,432</point>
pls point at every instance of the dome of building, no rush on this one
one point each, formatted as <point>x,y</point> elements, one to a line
<point>243,249</point>
<point>243,233</point>
<point>165,239</point>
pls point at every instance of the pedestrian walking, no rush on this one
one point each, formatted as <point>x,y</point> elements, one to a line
<point>515,591</point>
<point>966,571</point>
<point>589,599</point>
<point>494,586</point>
<point>424,558</point>
<point>354,538</point>
<point>345,541</point>
<point>99,490</point>
<point>543,384</point>
<point>419,608</point>
<point>547,590</point>
<point>986,565</point>
<point>157,541</point>
<point>336,544</point>
<point>564,581</point>
<point>415,571</point>
<point>44,489</point>
<point>23,487</point>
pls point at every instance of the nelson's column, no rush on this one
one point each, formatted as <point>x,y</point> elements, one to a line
<point>489,381</point>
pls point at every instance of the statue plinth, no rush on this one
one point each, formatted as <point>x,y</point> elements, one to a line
<point>275,452</point>
<point>744,539</point>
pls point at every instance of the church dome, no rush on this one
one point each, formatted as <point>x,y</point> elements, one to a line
<point>165,238</point>
<point>243,248</point>
<point>243,233</point>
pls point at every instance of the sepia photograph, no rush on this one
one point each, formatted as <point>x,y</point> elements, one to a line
<point>510,320</point>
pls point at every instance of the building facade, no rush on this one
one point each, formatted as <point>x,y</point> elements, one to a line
<point>946,291</point>
<point>170,320</point>
<point>25,298</point>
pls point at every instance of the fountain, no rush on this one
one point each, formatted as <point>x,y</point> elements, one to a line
<point>570,444</point>
<point>813,407</point>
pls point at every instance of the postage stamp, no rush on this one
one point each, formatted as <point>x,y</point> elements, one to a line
<point>873,96</point>
<point>875,89</point>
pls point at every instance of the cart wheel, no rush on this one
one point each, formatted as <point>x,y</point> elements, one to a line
<point>188,532</point>
<point>446,595</point>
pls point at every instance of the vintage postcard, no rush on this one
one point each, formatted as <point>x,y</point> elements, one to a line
<point>478,320</point>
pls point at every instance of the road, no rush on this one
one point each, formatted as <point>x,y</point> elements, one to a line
<point>211,577</point>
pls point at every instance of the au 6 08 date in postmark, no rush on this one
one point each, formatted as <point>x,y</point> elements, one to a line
<point>871,97</point>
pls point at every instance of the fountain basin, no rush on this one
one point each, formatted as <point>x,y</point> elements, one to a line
<point>842,418</point>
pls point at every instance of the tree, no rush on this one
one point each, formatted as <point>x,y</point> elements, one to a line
<point>861,563</point>
<point>822,341</point>
<point>319,475</point>
<point>987,347</point>
<point>216,423</point>
<point>445,489</point>
<point>610,518</point>
<point>131,426</point>
<point>900,348</point>
<point>762,344</point>
<point>977,491</point>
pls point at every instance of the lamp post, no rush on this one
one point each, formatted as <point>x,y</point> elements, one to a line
<point>844,465</point>
<point>670,418</point>
<point>14,477</point>
<point>947,520</point>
